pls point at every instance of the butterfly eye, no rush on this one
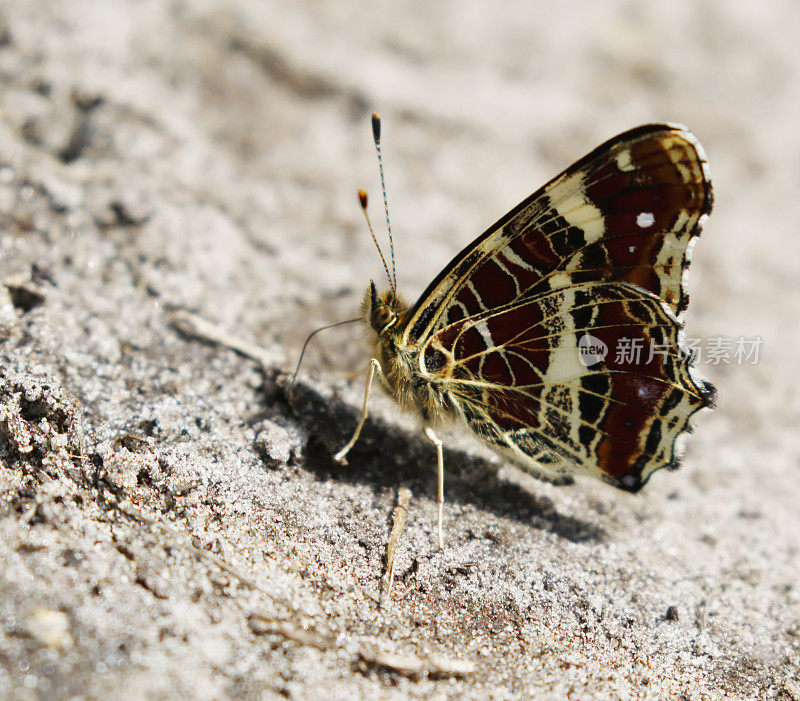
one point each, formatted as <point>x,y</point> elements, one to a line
<point>382,317</point>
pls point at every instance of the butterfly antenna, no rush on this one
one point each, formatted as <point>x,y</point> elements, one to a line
<point>314,333</point>
<point>362,200</point>
<point>376,136</point>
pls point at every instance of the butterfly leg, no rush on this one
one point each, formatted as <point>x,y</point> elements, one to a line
<point>440,477</point>
<point>374,366</point>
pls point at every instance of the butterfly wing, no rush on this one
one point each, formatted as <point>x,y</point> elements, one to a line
<point>599,253</point>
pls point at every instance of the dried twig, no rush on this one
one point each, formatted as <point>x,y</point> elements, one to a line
<point>398,523</point>
<point>193,325</point>
<point>262,625</point>
<point>29,512</point>
<point>431,664</point>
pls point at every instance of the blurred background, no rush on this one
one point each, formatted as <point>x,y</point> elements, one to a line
<point>205,155</point>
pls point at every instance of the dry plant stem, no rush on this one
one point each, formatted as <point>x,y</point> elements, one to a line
<point>194,325</point>
<point>398,523</point>
<point>414,665</point>
<point>289,631</point>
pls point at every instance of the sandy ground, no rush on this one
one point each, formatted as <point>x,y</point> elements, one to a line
<point>171,522</point>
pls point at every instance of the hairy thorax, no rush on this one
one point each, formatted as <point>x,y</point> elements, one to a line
<point>384,316</point>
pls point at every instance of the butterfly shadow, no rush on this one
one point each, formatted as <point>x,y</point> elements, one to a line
<point>389,454</point>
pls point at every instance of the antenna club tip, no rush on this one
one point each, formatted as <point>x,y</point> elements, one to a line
<point>376,126</point>
<point>362,199</point>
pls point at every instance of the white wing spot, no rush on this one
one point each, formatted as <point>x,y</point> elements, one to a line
<point>645,219</point>
<point>632,249</point>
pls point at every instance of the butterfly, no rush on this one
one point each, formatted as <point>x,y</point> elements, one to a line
<point>519,338</point>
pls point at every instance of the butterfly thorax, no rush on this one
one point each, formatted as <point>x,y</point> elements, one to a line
<point>385,317</point>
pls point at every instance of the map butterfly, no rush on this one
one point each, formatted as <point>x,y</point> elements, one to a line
<point>497,341</point>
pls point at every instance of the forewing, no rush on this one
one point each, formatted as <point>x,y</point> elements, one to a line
<point>627,211</point>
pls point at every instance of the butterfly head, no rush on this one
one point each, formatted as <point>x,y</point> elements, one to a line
<point>382,311</point>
